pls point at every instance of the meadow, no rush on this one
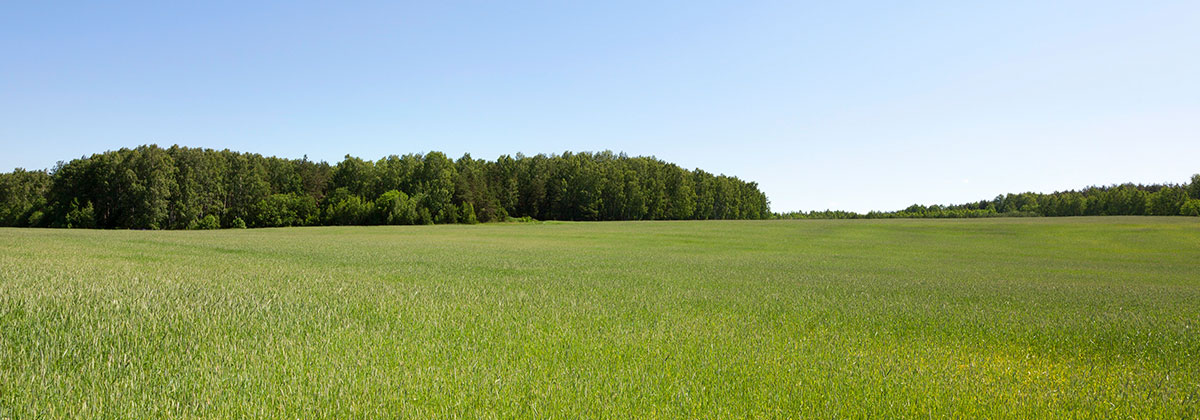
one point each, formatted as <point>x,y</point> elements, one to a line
<point>1014,317</point>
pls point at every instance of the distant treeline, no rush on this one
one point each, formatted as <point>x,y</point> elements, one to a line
<point>1116,200</point>
<point>149,187</point>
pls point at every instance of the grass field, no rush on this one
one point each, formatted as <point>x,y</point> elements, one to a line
<point>1078,317</point>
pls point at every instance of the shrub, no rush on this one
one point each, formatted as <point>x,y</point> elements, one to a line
<point>449,214</point>
<point>468,214</point>
<point>396,208</point>
<point>35,218</point>
<point>238,223</point>
<point>81,217</point>
<point>1166,202</point>
<point>350,210</point>
<point>1191,208</point>
<point>208,222</point>
<point>285,210</point>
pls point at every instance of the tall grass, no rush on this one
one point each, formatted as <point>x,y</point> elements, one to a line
<point>1077,317</point>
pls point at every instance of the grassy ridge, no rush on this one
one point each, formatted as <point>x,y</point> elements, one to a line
<point>1008,317</point>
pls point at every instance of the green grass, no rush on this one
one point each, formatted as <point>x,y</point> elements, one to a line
<point>1048,318</point>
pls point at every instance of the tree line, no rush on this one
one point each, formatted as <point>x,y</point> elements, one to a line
<point>149,187</point>
<point>1115,200</point>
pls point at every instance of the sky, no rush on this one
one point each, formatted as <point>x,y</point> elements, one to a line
<point>826,105</point>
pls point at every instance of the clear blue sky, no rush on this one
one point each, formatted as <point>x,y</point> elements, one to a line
<point>852,105</point>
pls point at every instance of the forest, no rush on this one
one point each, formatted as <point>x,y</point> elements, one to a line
<point>149,187</point>
<point>1115,200</point>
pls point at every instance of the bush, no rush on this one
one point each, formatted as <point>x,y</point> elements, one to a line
<point>81,217</point>
<point>350,210</point>
<point>238,223</point>
<point>468,214</point>
<point>1190,208</point>
<point>1166,202</point>
<point>285,210</point>
<point>205,223</point>
<point>35,218</point>
<point>449,214</point>
<point>396,208</point>
<point>1194,187</point>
